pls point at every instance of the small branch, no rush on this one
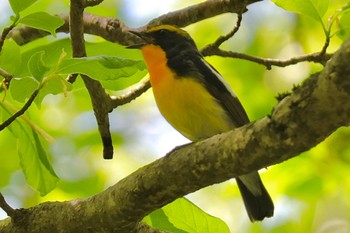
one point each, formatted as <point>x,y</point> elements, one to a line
<point>269,62</point>
<point>6,207</point>
<point>99,98</point>
<point>131,95</point>
<point>213,49</point>
<point>21,111</point>
<point>7,77</point>
<point>222,39</point>
<point>325,46</point>
<point>27,120</point>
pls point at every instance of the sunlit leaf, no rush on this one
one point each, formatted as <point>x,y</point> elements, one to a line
<point>107,69</point>
<point>56,84</point>
<point>124,82</point>
<point>43,21</point>
<point>33,157</point>
<point>344,26</point>
<point>23,88</point>
<point>183,216</point>
<point>160,220</point>
<point>20,5</point>
<point>312,8</point>
<point>36,66</point>
<point>10,57</point>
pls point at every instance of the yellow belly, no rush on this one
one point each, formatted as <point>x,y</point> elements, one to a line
<point>190,109</point>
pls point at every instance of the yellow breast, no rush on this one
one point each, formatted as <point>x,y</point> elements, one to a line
<point>184,102</point>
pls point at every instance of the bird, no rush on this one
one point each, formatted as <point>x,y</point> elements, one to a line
<point>196,100</point>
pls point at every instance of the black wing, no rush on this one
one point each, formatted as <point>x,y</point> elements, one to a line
<point>217,87</point>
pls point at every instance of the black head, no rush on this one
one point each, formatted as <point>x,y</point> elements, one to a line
<point>166,36</point>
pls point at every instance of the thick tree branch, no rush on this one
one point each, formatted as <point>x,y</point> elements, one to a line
<point>201,11</point>
<point>115,30</point>
<point>292,127</point>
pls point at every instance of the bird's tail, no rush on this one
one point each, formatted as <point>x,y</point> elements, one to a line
<point>256,199</point>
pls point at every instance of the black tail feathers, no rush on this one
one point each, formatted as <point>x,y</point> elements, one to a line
<point>259,204</point>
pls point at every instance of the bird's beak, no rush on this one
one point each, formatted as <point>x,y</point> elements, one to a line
<point>143,36</point>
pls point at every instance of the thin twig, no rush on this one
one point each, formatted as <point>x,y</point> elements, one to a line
<point>21,111</point>
<point>213,49</point>
<point>7,77</point>
<point>6,207</point>
<point>131,95</point>
<point>325,46</point>
<point>222,39</point>
<point>27,120</point>
<point>269,62</point>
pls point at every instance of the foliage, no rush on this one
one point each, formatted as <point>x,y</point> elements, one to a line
<point>70,165</point>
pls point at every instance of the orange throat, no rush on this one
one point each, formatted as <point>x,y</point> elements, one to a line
<point>156,62</point>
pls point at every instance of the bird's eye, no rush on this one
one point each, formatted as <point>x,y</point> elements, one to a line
<point>163,32</point>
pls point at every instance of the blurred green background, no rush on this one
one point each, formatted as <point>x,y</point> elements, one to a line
<point>311,192</point>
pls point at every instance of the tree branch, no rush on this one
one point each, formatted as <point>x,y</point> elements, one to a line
<point>6,207</point>
<point>222,39</point>
<point>115,30</point>
<point>318,57</point>
<point>99,98</point>
<point>292,127</point>
<point>21,111</point>
<point>201,11</point>
<point>132,94</point>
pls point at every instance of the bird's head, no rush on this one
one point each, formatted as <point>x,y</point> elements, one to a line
<point>165,36</point>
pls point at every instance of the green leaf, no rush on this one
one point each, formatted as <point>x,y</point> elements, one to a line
<point>159,220</point>
<point>54,49</point>
<point>342,20</point>
<point>33,157</point>
<point>107,69</point>
<point>20,5</point>
<point>23,88</point>
<point>123,82</point>
<point>312,8</point>
<point>10,59</point>
<point>52,52</point>
<point>43,21</point>
<point>36,66</point>
<point>55,84</point>
<point>343,31</point>
<point>183,216</point>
